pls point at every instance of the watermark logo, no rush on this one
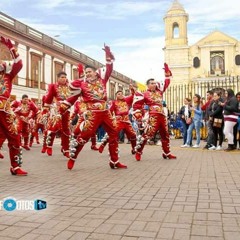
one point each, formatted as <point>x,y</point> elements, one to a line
<point>11,204</point>
<point>40,204</point>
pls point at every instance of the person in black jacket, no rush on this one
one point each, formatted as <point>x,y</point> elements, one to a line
<point>236,128</point>
<point>215,113</point>
<point>230,109</point>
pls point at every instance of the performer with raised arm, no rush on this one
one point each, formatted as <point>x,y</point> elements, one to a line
<point>8,128</point>
<point>24,110</point>
<point>120,109</point>
<point>57,92</point>
<point>157,121</point>
<point>93,91</point>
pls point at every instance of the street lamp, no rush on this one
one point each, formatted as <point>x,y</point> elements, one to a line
<point>39,80</point>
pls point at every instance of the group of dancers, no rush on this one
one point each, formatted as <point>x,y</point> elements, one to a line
<point>21,120</point>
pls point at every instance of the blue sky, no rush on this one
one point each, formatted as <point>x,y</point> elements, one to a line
<point>133,28</point>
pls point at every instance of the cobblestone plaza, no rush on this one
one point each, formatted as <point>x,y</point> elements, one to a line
<point>195,197</point>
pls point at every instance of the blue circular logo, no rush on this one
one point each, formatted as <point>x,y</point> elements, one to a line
<point>9,204</point>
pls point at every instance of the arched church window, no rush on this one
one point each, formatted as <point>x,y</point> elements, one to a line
<point>196,62</point>
<point>237,60</point>
<point>175,30</point>
<point>217,63</point>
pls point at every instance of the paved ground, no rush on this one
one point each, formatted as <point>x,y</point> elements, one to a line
<point>195,197</point>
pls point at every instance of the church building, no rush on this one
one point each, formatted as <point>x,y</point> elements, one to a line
<point>215,55</point>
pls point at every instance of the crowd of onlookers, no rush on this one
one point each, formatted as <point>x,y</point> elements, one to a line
<point>220,112</point>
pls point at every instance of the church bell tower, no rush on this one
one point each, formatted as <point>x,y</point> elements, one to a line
<point>176,50</point>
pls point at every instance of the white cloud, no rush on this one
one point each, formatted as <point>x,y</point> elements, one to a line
<point>139,59</point>
<point>211,10</point>
<point>141,64</point>
<point>103,10</point>
<point>51,29</point>
<point>53,4</point>
<point>154,27</point>
<point>4,4</point>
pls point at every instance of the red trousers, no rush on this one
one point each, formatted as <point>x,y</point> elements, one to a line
<point>128,129</point>
<point>24,131</point>
<point>34,131</point>
<point>157,122</point>
<point>87,128</point>
<point>77,131</point>
<point>56,124</point>
<point>9,131</point>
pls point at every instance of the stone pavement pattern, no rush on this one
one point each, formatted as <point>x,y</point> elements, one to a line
<point>195,197</point>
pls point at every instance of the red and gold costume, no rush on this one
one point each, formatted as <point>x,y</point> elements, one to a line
<point>37,125</point>
<point>138,111</point>
<point>120,109</point>
<point>42,120</point>
<point>79,108</point>
<point>93,92</point>
<point>24,110</point>
<point>8,129</point>
<point>157,120</point>
<point>57,92</point>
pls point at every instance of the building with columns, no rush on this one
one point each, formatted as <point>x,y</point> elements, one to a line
<point>217,55</point>
<point>43,57</point>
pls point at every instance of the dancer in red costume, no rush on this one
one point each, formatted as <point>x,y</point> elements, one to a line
<point>79,108</point>
<point>43,118</point>
<point>8,128</point>
<point>36,126</point>
<point>58,91</point>
<point>93,92</point>
<point>24,110</point>
<point>138,112</point>
<point>120,109</point>
<point>157,120</point>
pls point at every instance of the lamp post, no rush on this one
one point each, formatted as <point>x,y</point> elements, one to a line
<point>39,80</point>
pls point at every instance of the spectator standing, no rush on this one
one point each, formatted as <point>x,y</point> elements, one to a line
<point>230,109</point>
<point>215,113</point>
<point>205,109</point>
<point>196,115</point>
